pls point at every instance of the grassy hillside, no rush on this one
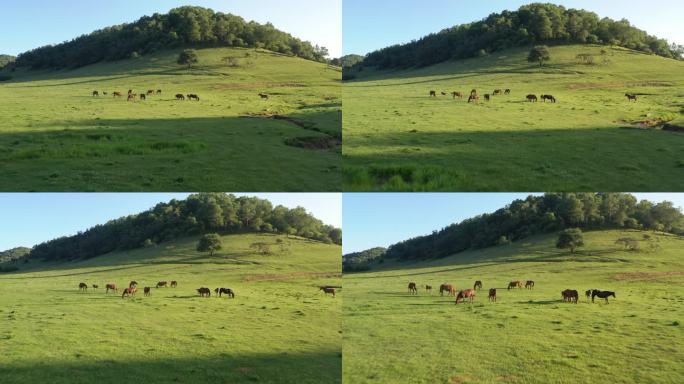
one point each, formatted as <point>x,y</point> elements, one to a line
<point>527,336</point>
<point>398,138</point>
<point>58,137</point>
<point>278,329</point>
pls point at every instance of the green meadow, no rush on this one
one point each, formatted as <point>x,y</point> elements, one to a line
<point>527,336</point>
<point>397,138</point>
<point>278,329</point>
<point>56,136</point>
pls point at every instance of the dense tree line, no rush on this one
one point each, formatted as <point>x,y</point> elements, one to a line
<point>182,27</point>
<point>530,25</point>
<point>348,61</point>
<point>542,214</point>
<point>198,214</point>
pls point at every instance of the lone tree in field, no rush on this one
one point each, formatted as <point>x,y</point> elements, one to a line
<point>570,238</point>
<point>539,54</point>
<point>188,57</point>
<point>209,243</point>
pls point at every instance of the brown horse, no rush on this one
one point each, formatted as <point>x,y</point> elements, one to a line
<point>487,96</point>
<point>327,290</point>
<point>133,284</point>
<point>532,98</point>
<point>147,291</point>
<point>96,93</point>
<point>129,292</point>
<point>82,287</point>
<point>457,94</point>
<point>473,98</point>
<point>466,294</point>
<point>529,284</point>
<point>204,292</point>
<point>433,94</point>
<point>473,92</point>
<point>507,92</point>
<point>448,288</point>
<point>158,91</point>
<point>514,284</point>
<point>631,97</point>
<point>162,284</point>
<point>492,294</point>
<point>112,287</point>
<point>263,96</point>
<point>150,92</point>
<point>428,288</point>
<point>412,288</point>
<point>478,285</point>
<point>180,97</point>
<point>570,295</point>
<point>192,96</point>
<point>227,291</point>
<point>548,97</point>
<point>497,92</point>
<point>117,94</point>
<point>174,283</point>
<point>131,96</point>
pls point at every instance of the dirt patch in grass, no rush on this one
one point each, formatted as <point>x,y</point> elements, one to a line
<point>461,379</point>
<point>619,84</point>
<point>260,85</point>
<point>291,276</point>
<point>507,378</point>
<point>645,276</point>
<point>314,142</point>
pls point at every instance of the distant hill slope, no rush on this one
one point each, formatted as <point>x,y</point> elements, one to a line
<point>182,27</point>
<point>13,254</point>
<point>358,261</point>
<point>530,24</point>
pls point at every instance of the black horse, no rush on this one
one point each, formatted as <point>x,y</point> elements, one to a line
<point>227,291</point>
<point>601,294</point>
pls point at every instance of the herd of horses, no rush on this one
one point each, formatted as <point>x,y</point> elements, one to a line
<point>568,295</point>
<point>474,96</point>
<point>133,289</point>
<point>143,96</point>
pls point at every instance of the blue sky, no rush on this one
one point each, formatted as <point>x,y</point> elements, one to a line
<point>30,218</point>
<point>381,219</point>
<point>27,24</point>
<point>370,25</point>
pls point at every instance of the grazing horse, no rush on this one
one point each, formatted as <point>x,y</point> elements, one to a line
<point>158,91</point>
<point>133,284</point>
<point>529,284</point>
<point>129,292</point>
<point>131,96</point>
<point>142,97</point>
<point>104,93</point>
<point>117,94</point>
<point>486,96</point>
<point>514,284</point>
<point>448,288</point>
<point>492,294</point>
<point>428,288</point>
<point>96,93</point>
<point>532,98</point>
<point>570,295</point>
<point>473,98</point>
<point>96,286</point>
<point>227,291</point>
<point>507,92</point>
<point>631,97</point>
<point>263,96</point>
<point>444,93</point>
<point>457,94</point>
<point>433,94</point>
<point>473,91</point>
<point>601,294</point>
<point>82,287</point>
<point>466,294</point>
<point>548,97</point>
<point>112,287</point>
<point>162,284</point>
<point>478,285</point>
<point>204,292</point>
<point>192,96</point>
<point>147,291</point>
<point>174,283</point>
<point>327,290</point>
<point>587,293</point>
<point>497,92</point>
<point>412,288</point>
<point>150,92</point>
<point>180,97</point>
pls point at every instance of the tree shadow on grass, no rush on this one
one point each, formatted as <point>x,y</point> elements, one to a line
<point>183,154</point>
<point>286,367</point>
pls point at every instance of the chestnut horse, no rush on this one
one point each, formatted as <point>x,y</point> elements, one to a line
<point>466,294</point>
<point>514,284</point>
<point>529,284</point>
<point>174,283</point>
<point>457,94</point>
<point>162,284</point>
<point>473,98</point>
<point>129,292</point>
<point>492,294</point>
<point>412,288</point>
<point>112,287</point>
<point>327,290</point>
<point>448,288</point>
<point>478,285</point>
<point>570,295</point>
<point>82,287</point>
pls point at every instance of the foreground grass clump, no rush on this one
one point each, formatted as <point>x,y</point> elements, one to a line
<point>527,336</point>
<point>56,136</point>
<point>278,329</point>
<point>397,138</point>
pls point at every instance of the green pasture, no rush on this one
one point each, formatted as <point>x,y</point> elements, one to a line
<point>55,136</point>
<point>527,336</point>
<point>278,329</point>
<point>397,138</point>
